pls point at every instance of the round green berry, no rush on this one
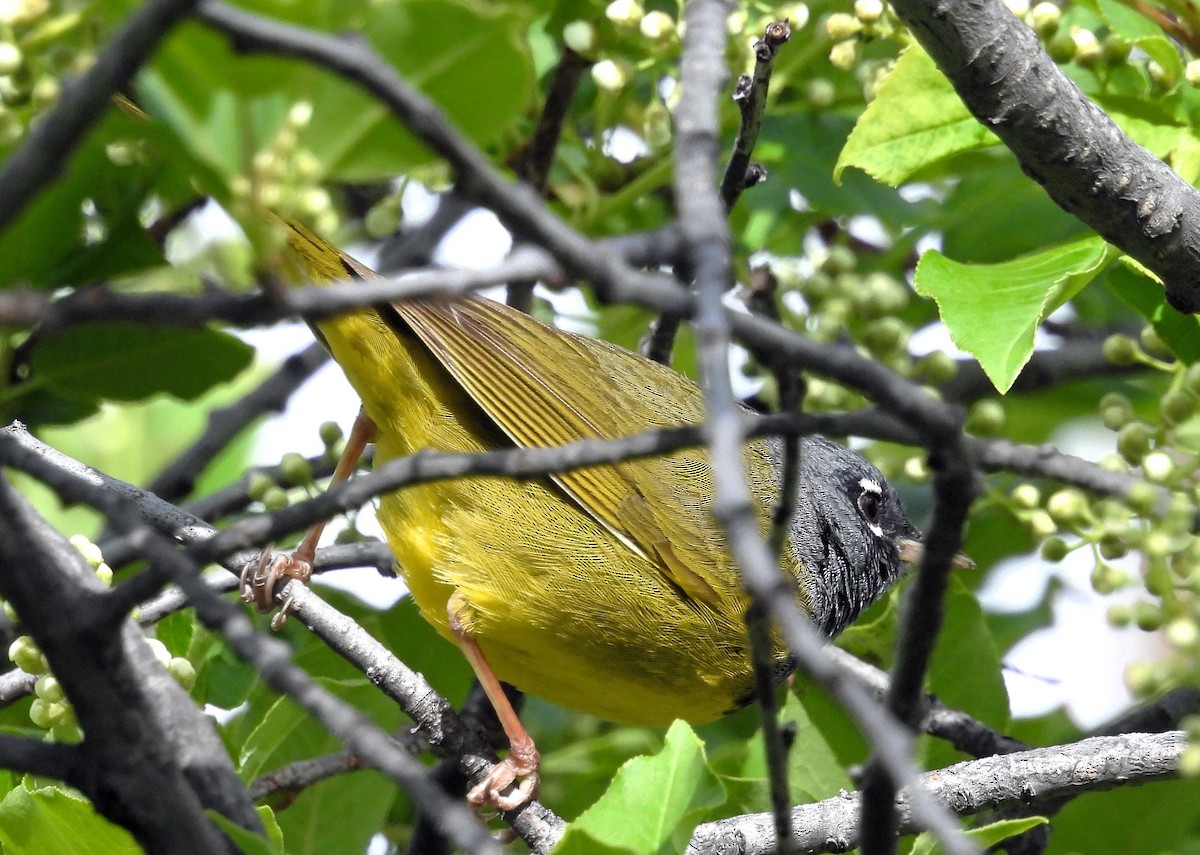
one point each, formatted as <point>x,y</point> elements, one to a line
<point>1116,49</point>
<point>1068,506</point>
<point>1147,616</point>
<point>1054,549</point>
<point>817,287</point>
<point>1152,344</point>
<point>183,671</point>
<point>840,26</point>
<point>25,654</point>
<point>986,417</point>
<point>1041,524</point>
<point>1182,633</point>
<point>820,92</point>
<point>580,36</point>
<point>296,469</point>
<point>1178,406</point>
<point>274,499</point>
<point>39,713</point>
<point>259,484</point>
<point>10,58</point>
<point>1106,578</point>
<point>1120,615</point>
<point>1061,48</point>
<point>837,260</point>
<point>1142,678</point>
<point>1026,496</point>
<point>1158,466</point>
<point>48,689</point>
<point>1045,18</point>
<point>935,368</point>
<point>657,26</point>
<point>330,433</point>
<point>886,335</point>
<point>1116,410</point>
<point>1087,47</point>
<point>1133,441</point>
<point>656,125</point>
<point>1112,546</point>
<point>1120,349</point>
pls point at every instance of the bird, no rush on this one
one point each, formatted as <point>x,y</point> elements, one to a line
<point>608,589</point>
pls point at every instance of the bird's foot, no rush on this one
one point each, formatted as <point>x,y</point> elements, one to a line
<point>259,579</point>
<point>518,772</point>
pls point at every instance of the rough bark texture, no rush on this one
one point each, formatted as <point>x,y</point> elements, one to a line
<point>1062,140</point>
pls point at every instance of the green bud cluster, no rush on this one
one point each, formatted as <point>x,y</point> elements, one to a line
<point>40,44</point>
<point>630,47</point>
<point>50,709</point>
<point>285,178</point>
<point>870,20</point>
<point>1154,523</point>
<point>1066,41</point>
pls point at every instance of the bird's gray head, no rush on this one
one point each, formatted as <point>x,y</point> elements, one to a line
<point>849,531</point>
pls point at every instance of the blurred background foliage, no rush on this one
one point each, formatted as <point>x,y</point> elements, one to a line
<point>872,162</point>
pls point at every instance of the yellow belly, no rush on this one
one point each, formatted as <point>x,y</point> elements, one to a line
<point>561,608</point>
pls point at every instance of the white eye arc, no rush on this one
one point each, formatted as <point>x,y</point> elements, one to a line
<point>870,504</point>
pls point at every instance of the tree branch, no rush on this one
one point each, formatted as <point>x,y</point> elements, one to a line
<point>78,483</point>
<point>134,773</point>
<point>1067,144</point>
<point>47,759</point>
<point>1025,779</point>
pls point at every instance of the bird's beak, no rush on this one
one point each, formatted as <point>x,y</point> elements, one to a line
<point>911,551</point>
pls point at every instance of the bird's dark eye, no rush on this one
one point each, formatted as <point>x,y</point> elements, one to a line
<point>870,504</point>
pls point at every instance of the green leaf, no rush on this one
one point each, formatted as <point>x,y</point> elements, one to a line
<point>993,191</point>
<point>814,772</point>
<point>801,151</point>
<point>1178,331</point>
<point>653,803</point>
<point>965,670</point>
<point>573,775</point>
<point>176,631</point>
<point>338,815</point>
<point>224,105</point>
<point>984,836</point>
<point>1126,22</point>
<point>1159,817</point>
<point>46,246</point>
<point>222,679</point>
<point>992,310</point>
<point>247,841</point>
<point>52,820</point>
<point>916,120</point>
<point>129,362</point>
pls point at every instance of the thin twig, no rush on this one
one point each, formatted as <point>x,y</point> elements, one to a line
<point>536,160</point>
<point>751,97</point>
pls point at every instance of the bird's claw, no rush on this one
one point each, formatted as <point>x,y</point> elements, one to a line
<point>259,579</point>
<point>519,768</point>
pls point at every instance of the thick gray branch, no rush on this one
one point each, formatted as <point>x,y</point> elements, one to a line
<point>1062,140</point>
<point>1025,779</point>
